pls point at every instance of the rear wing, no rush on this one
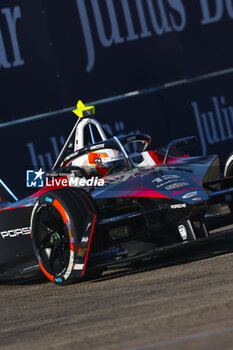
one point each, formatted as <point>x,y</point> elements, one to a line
<point>6,194</point>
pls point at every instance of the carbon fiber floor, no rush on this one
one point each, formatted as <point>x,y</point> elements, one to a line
<point>187,304</point>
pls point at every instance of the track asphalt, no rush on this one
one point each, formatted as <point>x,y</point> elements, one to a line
<point>184,301</point>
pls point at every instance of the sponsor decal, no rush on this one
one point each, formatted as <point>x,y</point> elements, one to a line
<point>112,251</point>
<point>169,177</point>
<point>85,239</point>
<point>165,178</point>
<point>48,199</point>
<point>58,280</point>
<point>71,156</point>
<point>97,146</point>
<point>176,185</point>
<point>16,232</point>
<point>70,266</point>
<point>197,199</point>
<point>190,194</point>
<point>170,182</point>
<point>178,206</point>
<point>78,266</point>
<point>157,179</point>
<point>165,183</point>
<point>81,252</point>
<point>184,190</point>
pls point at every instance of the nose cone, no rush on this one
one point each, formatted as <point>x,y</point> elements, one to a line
<point>177,186</point>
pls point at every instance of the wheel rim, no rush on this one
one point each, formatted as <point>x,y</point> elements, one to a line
<point>51,239</point>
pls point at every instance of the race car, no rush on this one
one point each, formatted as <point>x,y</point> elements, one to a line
<point>108,201</point>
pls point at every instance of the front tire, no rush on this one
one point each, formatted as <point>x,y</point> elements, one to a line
<point>57,223</point>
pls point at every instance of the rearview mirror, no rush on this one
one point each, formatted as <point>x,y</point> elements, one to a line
<point>179,143</point>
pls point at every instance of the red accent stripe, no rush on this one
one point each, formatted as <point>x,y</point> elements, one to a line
<point>66,163</point>
<point>72,247</point>
<point>51,277</point>
<point>154,156</point>
<point>89,245</point>
<point>147,192</point>
<point>61,210</point>
<point>46,189</point>
<point>159,158</point>
<point>12,208</point>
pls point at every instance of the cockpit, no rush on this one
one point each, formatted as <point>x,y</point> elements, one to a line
<point>92,148</point>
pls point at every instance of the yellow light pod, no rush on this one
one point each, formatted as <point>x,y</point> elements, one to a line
<point>84,111</point>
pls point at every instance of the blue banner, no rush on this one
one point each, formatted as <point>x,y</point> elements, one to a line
<point>51,52</point>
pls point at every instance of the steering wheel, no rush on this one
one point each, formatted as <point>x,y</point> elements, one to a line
<point>116,143</point>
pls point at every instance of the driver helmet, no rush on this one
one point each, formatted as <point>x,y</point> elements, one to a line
<point>106,160</point>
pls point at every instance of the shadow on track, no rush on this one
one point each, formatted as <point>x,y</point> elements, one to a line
<point>182,256</point>
<point>179,257</point>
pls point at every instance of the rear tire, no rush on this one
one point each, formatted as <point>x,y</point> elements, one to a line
<point>228,172</point>
<point>228,169</point>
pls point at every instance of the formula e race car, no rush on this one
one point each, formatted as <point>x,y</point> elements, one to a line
<point>108,202</point>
